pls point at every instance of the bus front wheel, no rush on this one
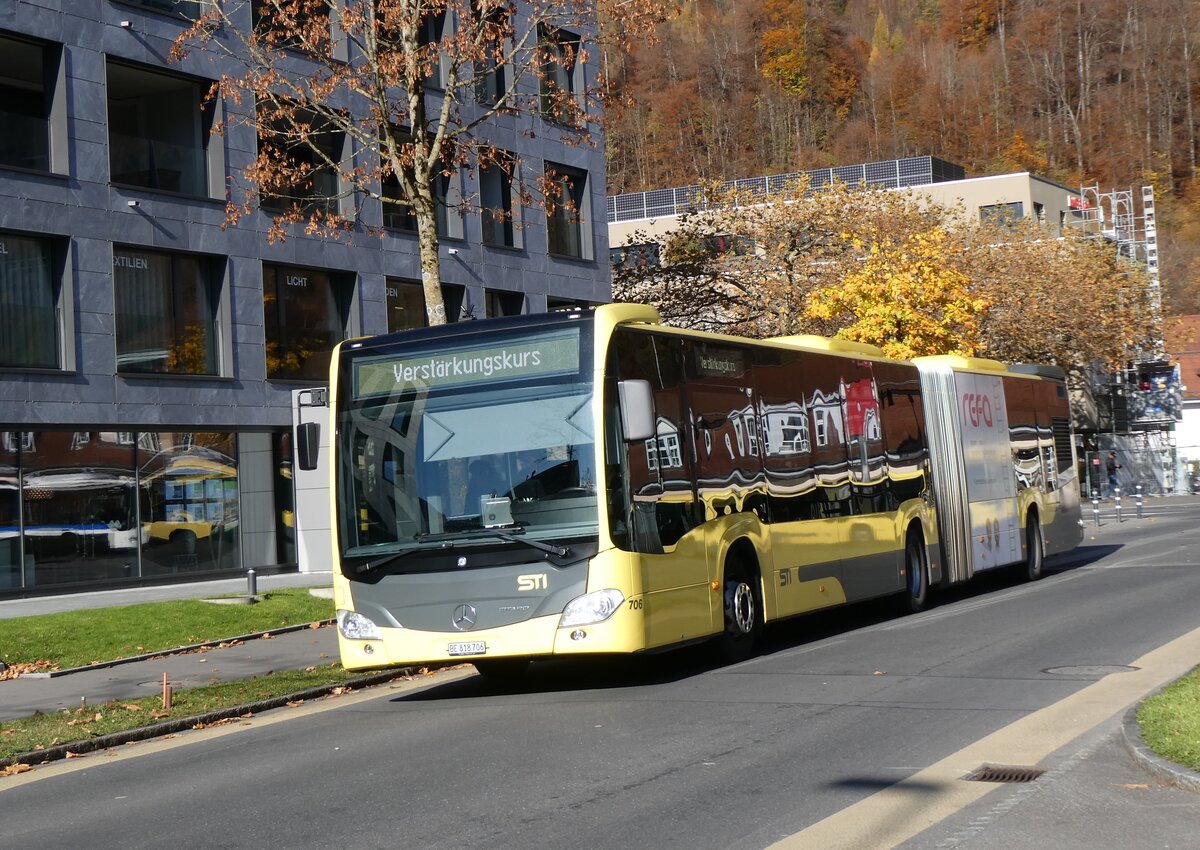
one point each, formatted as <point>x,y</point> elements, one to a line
<point>1035,551</point>
<point>743,613</point>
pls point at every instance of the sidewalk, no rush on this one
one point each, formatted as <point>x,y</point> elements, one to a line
<point>292,650</point>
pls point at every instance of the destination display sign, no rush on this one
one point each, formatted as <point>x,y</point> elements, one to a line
<point>535,356</point>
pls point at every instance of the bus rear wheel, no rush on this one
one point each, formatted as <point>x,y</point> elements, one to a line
<point>502,670</point>
<point>1035,551</point>
<point>916,573</point>
<point>743,613</point>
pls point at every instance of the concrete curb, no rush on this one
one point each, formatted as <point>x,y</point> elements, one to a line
<point>179,650</point>
<point>182,724</point>
<point>1152,762</point>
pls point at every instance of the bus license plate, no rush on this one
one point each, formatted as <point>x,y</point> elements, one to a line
<point>467,647</point>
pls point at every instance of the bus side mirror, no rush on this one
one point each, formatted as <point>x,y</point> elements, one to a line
<point>308,444</point>
<point>637,410</point>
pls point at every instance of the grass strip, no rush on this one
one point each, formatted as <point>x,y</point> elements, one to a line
<point>79,638</point>
<point>1170,721</point>
<point>69,727</point>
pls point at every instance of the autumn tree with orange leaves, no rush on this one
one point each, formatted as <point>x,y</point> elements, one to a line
<point>386,99</point>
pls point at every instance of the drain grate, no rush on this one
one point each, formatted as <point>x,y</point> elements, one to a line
<point>1005,773</point>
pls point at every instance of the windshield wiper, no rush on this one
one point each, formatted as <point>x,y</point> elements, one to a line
<point>560,551</point>
<point>367,565</point>
<point>506,533</point>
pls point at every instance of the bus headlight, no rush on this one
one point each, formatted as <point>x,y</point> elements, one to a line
<point>355,626</point>
<point>594,607</point>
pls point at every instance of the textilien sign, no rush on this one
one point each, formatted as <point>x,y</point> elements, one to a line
<point>536,356</point>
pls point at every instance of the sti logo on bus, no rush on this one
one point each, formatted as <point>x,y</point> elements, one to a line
<point>978,409</point>
<point>533,581</point>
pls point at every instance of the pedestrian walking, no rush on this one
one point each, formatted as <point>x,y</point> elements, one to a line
<point>1112,466</point>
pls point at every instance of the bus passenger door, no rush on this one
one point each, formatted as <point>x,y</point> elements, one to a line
<point>664,515</point>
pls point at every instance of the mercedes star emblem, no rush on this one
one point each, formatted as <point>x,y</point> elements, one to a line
<point>464,617</point>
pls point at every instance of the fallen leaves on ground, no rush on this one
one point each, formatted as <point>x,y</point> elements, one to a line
<point>225,721</point>
<point>14,769</point>
<point>21,668</point>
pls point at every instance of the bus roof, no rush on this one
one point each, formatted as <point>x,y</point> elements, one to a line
<point>813,342</point>
<point>960,363</point>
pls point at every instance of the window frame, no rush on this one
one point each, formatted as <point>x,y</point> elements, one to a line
<point>560,76</point>
<point>504,172</point>
<point>54,251</point>
<point>201,131</point>
<point>573,183</point>
<point>344,294</point>
<point>307,204</point>
<point>50,158</point>
<point>210,274</point>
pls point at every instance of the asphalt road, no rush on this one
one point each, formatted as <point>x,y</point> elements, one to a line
<point>839,713</point>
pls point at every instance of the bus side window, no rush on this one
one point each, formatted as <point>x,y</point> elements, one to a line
<point>660,487</point>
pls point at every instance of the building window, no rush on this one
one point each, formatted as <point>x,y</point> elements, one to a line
<point>189,502</point>
<point>166,312</point>
<point>29,302</point>
<point>79,510</point>
<point>560,84</point>
<point>24,104</point>
<point>499,206</point>
<point>405,305</point>
<point>158,130</point>
<point>664,452</point>
<point>566,212</point>
<point>1003,214</point>
<point>10,514</point>
<point>304,315</point>
<point>189,9</point>
<point>558,305</point>
<point>501,303</point>
<point>432,30</point>
<point>294,26</point>
<point>313,187</point>
<point>491,73</point>
<point>794,432</point>
<point>399,215</point>
<point>821,428</point>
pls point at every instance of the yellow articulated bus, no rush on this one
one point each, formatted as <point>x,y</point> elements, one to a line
<point>596,482</point>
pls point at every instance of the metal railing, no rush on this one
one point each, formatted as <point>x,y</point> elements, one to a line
<point>889,174</point>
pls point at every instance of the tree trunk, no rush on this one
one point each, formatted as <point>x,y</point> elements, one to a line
<point>431,266</point>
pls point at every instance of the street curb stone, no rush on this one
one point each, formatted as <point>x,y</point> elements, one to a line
<point>182,724</point>
<point>1152,762</point>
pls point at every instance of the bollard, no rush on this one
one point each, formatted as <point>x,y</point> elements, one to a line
<point>1117,490</point>
<point>1096,509</point>
<point>1138,499</point>
<point>251,584</point>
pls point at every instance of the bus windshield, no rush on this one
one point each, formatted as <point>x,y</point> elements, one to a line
<point>469,442</point>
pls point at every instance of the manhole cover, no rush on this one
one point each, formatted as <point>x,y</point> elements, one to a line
<point>1005,773</point>
<point>1090,670</point>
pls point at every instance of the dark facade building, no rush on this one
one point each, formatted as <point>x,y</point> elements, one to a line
<point>149,352</point>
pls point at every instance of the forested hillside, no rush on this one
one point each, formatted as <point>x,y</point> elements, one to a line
<point>1101,92</point>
